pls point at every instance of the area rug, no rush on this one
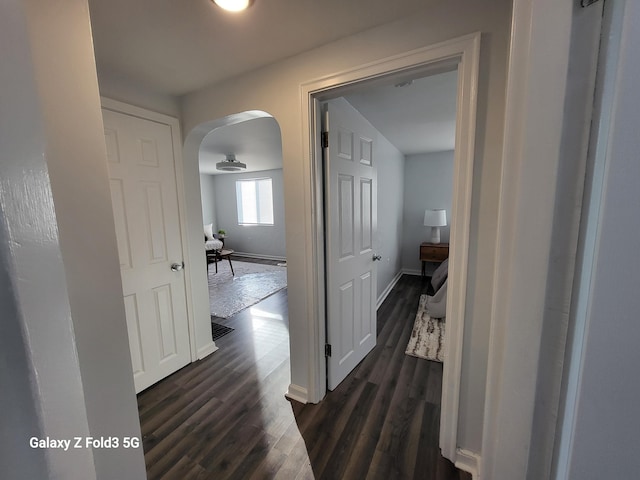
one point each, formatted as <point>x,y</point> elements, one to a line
<point>218,331</point>
<point>427,337</point>
<point>252,282</point>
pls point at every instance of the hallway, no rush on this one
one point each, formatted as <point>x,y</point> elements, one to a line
<point>227,417</point>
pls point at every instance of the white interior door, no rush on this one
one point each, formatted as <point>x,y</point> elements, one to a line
<point>145,204</point>
<point>351,218</point>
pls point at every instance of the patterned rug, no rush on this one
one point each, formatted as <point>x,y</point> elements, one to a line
<point>427,337</point>
<point>252,282</point>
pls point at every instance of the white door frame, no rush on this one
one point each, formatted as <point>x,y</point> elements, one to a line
<point>176,138</point>
<point>465,52</point>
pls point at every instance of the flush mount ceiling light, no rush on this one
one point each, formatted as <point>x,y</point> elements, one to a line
<point>230,164</point>
<point>233,5</point>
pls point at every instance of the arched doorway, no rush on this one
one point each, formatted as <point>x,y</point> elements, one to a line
<point>207,142</point>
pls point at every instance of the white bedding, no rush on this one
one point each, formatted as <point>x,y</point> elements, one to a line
<point>214,244</point>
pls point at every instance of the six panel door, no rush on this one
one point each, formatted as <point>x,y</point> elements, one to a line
<point>351,218</point>
<point>145,205</point>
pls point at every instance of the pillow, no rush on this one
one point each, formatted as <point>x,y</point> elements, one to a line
<point>436,306</point>
<point>440,275</point>
<point>208,231</point>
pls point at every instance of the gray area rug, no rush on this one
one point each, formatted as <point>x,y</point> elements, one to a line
<point>427,337</point>
<point>252,283</point>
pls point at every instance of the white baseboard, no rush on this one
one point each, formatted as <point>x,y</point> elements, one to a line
<point>207,350</point>
<point>383,296</point>
<point>409,271</point>
<point>257,255</point>
<point>297,393</point>
<point>469,462</point>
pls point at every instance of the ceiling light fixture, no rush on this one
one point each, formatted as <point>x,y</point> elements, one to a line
<point>233,5</point>
<point>230,164</point>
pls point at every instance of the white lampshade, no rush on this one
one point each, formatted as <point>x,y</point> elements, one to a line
<point>435,218</point>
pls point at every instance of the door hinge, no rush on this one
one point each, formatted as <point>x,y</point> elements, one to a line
<point>327,350</point>
<point>325,139</point>
<point>586,3</point>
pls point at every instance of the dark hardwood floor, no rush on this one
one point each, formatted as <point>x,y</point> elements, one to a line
<point>226,416</point>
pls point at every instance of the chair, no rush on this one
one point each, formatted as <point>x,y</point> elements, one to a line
<point>215,251</point>
<point>219,255</point>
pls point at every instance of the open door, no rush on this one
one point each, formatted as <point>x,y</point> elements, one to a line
<point>145,205</point>
<point>349,145</point>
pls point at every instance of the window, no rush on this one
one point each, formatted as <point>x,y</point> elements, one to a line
<point>255,201</point>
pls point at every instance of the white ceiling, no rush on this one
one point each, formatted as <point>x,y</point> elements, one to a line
<point>175,47</point>
<point>255,142</point>
<point>417,118</point>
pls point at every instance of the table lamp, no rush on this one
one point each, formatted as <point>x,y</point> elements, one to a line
<point>435,219</point>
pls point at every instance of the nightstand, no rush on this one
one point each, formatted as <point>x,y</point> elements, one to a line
<point>431,252</point>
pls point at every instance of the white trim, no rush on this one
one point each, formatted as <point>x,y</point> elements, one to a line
<point>465,51</point>
<point>297,393</point>
<point>469,462</point>
<point>121,107</point>
<point>313,183</point>
<point>207,350</point>
<point>176,139</point>
<point>383,296</point>
<point>411,271</point>
<point>590,228</point>
<point>459,242</point>
<point>257,255</point>
<point>536,80</point>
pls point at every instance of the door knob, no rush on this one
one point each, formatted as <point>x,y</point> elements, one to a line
<point>377,258</point>
<point>176,267</point>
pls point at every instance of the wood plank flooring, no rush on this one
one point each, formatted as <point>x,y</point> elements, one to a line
<point>226,416</point>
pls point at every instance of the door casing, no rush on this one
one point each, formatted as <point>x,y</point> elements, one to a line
<point>462,53</point>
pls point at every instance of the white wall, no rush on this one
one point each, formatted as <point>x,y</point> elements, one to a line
<point>390,202</point>
<point>60,251</point>
<point>276,89</point>
<point>260,240</point>
<point>117,88</point>
<point>208,194</point>
<point>390,177</point>
<point>18,390</point>
<point>428,180</point>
